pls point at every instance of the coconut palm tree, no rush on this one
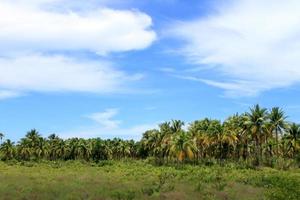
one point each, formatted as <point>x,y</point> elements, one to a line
<point>199,131</point>
<point>42,148</point>
<point>255,121</point>
<point>54,147</point>
<point>229,136</point>
<point>152,141</point>
<point>294,137</point>
<point>24,149</point>
<point>235,128</point>
<point>183,146</point>
<point>176,126</point>
<point>277,120</point>
<point>101,150</point>
<point>7,150</point>
<point>214,132</point>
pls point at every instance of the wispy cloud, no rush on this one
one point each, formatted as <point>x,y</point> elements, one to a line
<point>105,119</point>
<point>252,44</point>
<point>108,127</point>
<point>6,94</point>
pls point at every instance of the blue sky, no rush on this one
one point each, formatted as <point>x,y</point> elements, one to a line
<point>99,68</point>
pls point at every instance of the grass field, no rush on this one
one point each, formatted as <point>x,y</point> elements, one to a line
<point>139,180</point>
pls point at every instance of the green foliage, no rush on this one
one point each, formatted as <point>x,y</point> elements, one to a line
<point>281,186</point>
<point>139,180</point>
<point>123,195</point>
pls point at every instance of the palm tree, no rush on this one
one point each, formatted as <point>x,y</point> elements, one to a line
<point>214,132</point>
<point>42,148</point>
<point>255,121</point>
<point>24,150</point>
<point>7,149</point>
<point>60,149</point>
<point>54,147</point>
<point>294,136</point>
<point>229,136</point>
<point>183,146</point>
<point>176,126</point>
<point>153,142</point>
<point>36,144</point>
<point>53,136</point>
<point>235,128</point>
<point>101,150</point>
<point>277,120</point>
<point>199,131</point>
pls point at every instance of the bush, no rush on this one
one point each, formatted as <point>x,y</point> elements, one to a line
<point>150,189</point>
<point>105,163</point>
<point>11,162</point>
<point>124,195</point>
<point>284,164</point>
<point>28,164</point>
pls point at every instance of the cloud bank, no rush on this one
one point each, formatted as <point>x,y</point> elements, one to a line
<point>102,30</point>
<point>29,31</point>
<point>252,45</point>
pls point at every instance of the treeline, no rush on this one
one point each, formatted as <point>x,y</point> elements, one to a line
<point>259,135</point>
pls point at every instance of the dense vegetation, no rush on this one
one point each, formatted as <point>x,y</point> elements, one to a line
<point>136,179</point>
<point>258,137</point>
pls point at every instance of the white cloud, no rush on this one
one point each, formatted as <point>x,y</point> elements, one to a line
<point>40,73</point>
<point>29,27</point>
<point>134,132</point>
<point>107,127</point>
<point>6,94</point>
<point>232,89</point>
<point>105,118</point>
<point>254,45</point>
<point>30,31</point>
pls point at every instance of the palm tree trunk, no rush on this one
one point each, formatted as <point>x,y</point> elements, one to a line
<point>277,147</point>
<point>257,150</point>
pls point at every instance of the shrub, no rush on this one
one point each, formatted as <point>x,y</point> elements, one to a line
<point>124,195</point>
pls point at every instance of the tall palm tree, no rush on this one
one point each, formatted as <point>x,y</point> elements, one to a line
<point>277,120</point>
<point>294,137</point>
<point>229,136</point>
<point>235,128</point>
<point>199,131</point>
<point>255,121</point>
<point>214,132</point>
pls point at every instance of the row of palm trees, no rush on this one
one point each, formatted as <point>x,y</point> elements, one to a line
<point>259,135</point>
<point>35,147</point>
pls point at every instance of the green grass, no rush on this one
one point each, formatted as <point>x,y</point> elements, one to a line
<point>139,180</point>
